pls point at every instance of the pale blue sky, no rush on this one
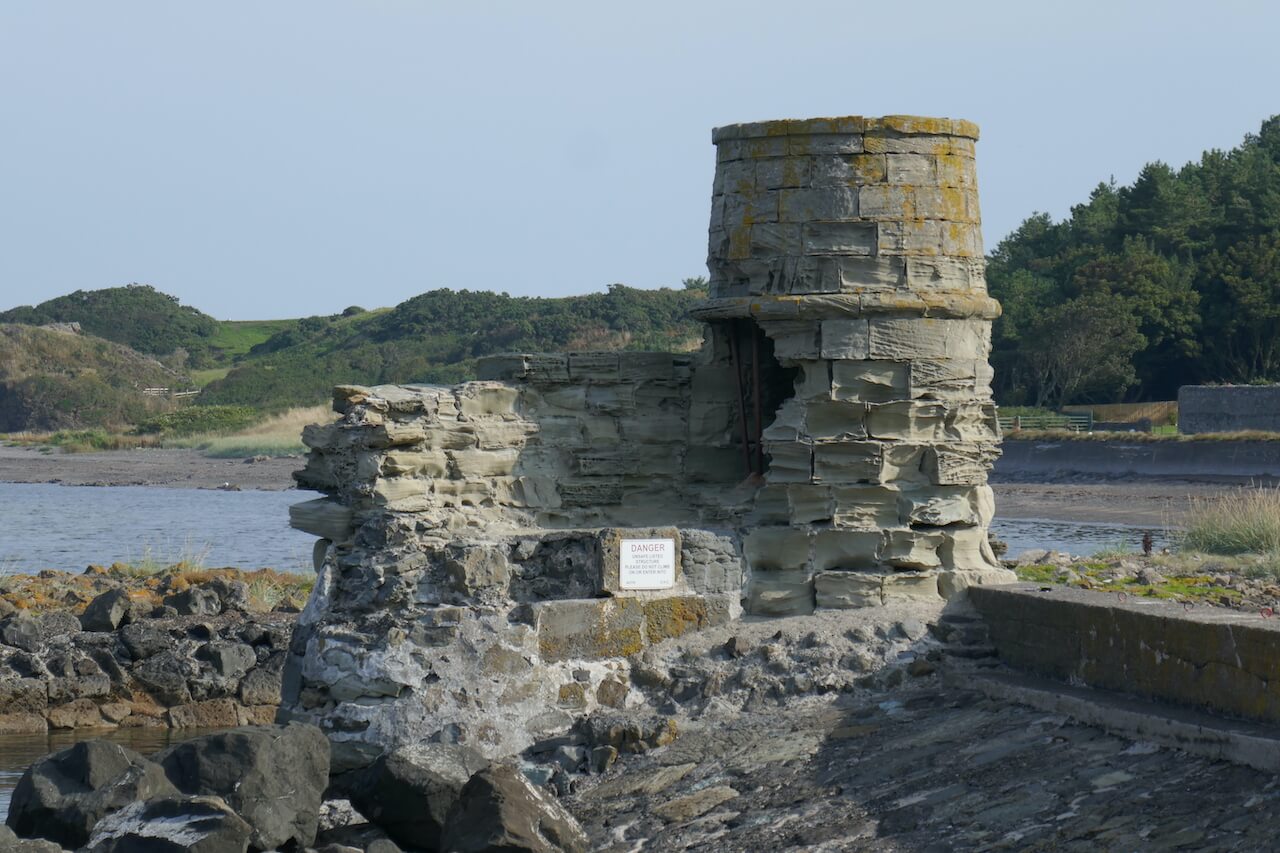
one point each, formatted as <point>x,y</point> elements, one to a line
<point>275,159</point>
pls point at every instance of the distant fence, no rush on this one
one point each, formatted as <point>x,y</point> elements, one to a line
<point>1074,421</point>
<point>168,392</point>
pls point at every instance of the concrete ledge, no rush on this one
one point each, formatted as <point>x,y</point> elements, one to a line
<point>1210,658</point>
<point>1198,733</point>
<point>1216,461</point>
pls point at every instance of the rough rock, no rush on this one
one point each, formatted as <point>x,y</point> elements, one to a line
<point>272,776</point>
<point>172,825</point>
<point>107,612</point>
<point>62,796</point>
<point>11,843</point>
<point>410,791</point>
<point>195,601</point>
<point>499,809</point>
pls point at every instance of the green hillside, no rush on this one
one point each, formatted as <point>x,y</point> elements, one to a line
<point>53,380</point>
<point>436,337</point>
<point>1172,280</point>
<point>275,364</point>
<point>137,315</point>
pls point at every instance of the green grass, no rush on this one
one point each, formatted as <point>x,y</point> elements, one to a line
<point>1246,521</point>
<point>242,447</point>
<point>83,440</point>
<point>193,420</point>
<point>203,377</point>
<point>156,560</point>
<point>236,337</point>
<point>1115,550</point>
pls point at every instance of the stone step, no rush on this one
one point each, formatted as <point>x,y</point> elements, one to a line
<point>971,652</point>
<point>1197,732</point>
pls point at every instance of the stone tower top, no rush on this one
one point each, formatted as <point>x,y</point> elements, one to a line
<point>858,215</point>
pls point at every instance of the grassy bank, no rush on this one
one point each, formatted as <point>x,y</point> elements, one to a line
<point>218,431</point>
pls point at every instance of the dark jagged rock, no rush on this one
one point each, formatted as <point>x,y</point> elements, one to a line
<point>172,825</point>
<point>62,796</point>
<point>231,660</point>
<point>11,843</point>
<point>272,776</point>
<point>409,792</point>
<point>165,677</point>
<point>142,641</point>
<point>108,611</point>
<point>195,601</point>
<point>498,809</point>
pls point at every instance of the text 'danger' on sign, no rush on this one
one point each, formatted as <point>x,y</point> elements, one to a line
<point>647,564</point>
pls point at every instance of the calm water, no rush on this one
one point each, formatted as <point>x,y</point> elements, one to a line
<point>1078,538</point>
<point>49,526</point>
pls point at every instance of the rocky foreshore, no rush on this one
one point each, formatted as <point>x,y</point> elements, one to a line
<point>116,647</point>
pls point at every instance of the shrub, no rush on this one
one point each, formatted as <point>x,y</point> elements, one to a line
<point>200,419</point>
<point>1246,521</point>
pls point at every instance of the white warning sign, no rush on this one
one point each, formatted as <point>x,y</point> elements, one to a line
<point>647,564</point>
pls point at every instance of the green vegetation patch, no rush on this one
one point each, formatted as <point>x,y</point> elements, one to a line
<point>1246,521</point>
<point>195,420</point>
<point>136,315</point>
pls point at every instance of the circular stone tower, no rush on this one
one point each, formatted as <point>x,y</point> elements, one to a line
<point>849,250</point>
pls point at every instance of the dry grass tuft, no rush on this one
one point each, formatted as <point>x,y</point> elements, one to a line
<point>1246,521</point>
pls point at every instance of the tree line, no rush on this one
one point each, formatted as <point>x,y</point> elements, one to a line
<point>1172,280</point>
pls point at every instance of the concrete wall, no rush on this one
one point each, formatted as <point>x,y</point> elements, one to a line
<point>1228,408</point>
<point>1215,659</point>
<point>1223,461</point>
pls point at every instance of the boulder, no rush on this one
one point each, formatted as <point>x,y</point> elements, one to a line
<point>107,612</point>
<point>58,626</point>
<point>272,776</point>
<point>260,686</point>
<point>11,843</point>
<point>142,641</point>
<point>172,825</point>
<point>195,601</point>
<point>62,796</point>
<point>409,792</point>
<point>165,677</point>
<point>499,809</point>
<point>234,595</point>
<point>230,660</point>
<point>22,631</point>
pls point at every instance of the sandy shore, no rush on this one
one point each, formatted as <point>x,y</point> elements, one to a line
<point>1147,502</point>
<point>172,468</point>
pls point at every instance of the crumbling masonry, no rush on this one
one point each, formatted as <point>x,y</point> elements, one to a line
<point>827,448</point>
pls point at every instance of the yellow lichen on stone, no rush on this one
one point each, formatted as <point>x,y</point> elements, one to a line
<point>955,205</point>
<point>869,169</point>
<point>666,618</point>
<point>739,243</point>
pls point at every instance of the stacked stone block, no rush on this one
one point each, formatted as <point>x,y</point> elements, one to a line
<point>854,244</point>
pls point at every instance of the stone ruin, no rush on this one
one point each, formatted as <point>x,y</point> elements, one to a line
<point>493,555</point>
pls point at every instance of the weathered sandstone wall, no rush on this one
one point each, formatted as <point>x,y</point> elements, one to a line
<point>827,448</point>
